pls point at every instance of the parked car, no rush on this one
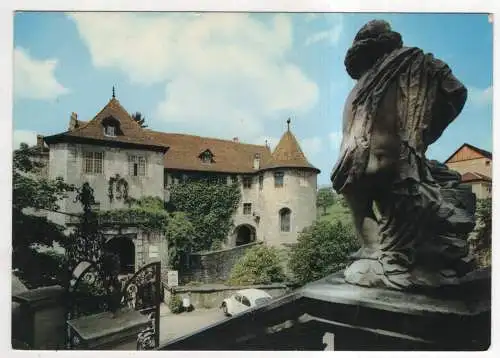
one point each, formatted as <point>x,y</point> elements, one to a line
<point>244,300</point>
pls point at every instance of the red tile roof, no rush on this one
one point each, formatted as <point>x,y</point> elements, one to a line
<point>131,132</point>
<point>474,176</point>
<point>228,156</point>
<point>184,150</point>
<point>288,154</point>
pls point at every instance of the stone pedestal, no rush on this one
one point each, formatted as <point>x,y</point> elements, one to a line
<point>104,331</point>
<point>39,318</point>
<point>454,318</point>
<point>330,314</point>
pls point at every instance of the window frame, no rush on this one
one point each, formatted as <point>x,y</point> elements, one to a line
<point>137,165</point>
<point>285,226</point>
<point>281,175</point>
<point>247,182</point>
<point>249,207</point>
<point>107,127</point>
<point>92,160</point>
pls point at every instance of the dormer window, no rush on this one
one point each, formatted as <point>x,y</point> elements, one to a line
<point>207,157</point>
<point>111,127</point>
<point>110,131</point>
<point>256,161</point>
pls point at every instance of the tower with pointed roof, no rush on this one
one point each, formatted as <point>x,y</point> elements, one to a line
<point>289,186</point>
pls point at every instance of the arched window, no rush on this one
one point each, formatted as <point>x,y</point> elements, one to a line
<point>285,215</point>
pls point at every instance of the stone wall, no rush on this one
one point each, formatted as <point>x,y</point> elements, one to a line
<point>214,266</point>
<point>66,161</point>
<point>212,295</point>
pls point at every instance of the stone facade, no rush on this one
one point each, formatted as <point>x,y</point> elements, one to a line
<point>67,161</point>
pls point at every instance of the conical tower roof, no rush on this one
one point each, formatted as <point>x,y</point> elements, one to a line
<point>288,154</point>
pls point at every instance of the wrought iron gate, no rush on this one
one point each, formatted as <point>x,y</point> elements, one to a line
<point>89,293</point>
<point>142,292</point>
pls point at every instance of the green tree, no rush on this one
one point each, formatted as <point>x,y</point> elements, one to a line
<point>180,235</point>
<point>260,265</point>
<point>480,239</point>
<point>325,199</point>
<point>209,207</point>
<point>322,249</point>
<point>32,234</point>
<point>140,119</point>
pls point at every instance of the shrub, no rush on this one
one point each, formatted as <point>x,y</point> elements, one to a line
<point>259,265</point>
<point>175,304</point>
<point>322,249</point>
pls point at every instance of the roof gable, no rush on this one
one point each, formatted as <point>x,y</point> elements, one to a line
<point>129,131</point>
<point>467,152</point>
<point>288,154</point>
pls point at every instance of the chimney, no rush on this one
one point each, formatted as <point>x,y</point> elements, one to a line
<point>73,121</point>
<point>39,141</point>
<point>236,140</point>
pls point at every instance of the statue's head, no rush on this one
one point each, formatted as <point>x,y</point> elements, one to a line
<point>374,40</point>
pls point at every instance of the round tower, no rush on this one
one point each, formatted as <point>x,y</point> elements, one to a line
<point>289,186</point>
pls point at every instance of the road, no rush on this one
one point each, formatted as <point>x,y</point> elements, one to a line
<point>173,326</point>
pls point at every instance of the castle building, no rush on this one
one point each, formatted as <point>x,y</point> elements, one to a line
<point>278,188</point>
<point>475,166</point>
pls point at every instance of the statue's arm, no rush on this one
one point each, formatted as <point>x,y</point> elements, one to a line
<point>451,95</point>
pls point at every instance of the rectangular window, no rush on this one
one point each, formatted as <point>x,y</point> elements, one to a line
<point>247,182</point>
<point>261,182</point>
<point>136,166</point>
<point>247,209</point>
<point>92,162</point>
<point>110,131</point>
<point>279,179</point>
<point>303,178</point>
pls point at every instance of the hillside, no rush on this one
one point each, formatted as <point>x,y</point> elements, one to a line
<point>336,212</point>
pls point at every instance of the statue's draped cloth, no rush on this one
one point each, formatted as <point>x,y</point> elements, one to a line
<point>415,220</point>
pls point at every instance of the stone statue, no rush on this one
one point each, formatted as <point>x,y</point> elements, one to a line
<point>412,215</point>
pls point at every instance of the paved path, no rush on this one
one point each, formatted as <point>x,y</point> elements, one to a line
<point>173,326</point>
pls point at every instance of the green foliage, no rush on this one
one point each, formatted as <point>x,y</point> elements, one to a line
<point>260,265</point>
<point>146,213</point>
<point>322,249</point>
<point>139,118</point>
<point>44,268</point>
<point>180,234</point>
<point>324,199</point>
<point>175,304</point>
<point>209,207</point>
<point>337,212</point>
<point>480,239</point>
<point>29,230</point>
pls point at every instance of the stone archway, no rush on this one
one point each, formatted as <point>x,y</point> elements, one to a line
<point>124,248</point>
<point>244,234</point>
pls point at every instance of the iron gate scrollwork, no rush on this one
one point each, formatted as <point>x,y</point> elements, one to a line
<point>142,292</point>
<point>89,293</point>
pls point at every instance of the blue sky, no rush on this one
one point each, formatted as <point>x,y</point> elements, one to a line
<point>230,75</point>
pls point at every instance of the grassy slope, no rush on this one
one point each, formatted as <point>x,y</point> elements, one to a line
<point>336,212</point>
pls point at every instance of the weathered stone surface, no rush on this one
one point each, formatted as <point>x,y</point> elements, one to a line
<point>402,102</point>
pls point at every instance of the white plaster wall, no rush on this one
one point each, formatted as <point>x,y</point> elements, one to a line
<point>66,160</point>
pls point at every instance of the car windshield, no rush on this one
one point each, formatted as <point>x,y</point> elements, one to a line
<point>262,301</point>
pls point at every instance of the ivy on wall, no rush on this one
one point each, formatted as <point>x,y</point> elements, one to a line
<point>117,188</point>
<point>209,207</point>
<point>146,213</point>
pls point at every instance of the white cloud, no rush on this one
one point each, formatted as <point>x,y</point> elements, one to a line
<point>335,138</point>
<point>35,79</point>
<point>330,34</point>
<point>311,146</point>
<point>480,96</point>
<point>224,74</point>
<point>23,136</point>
